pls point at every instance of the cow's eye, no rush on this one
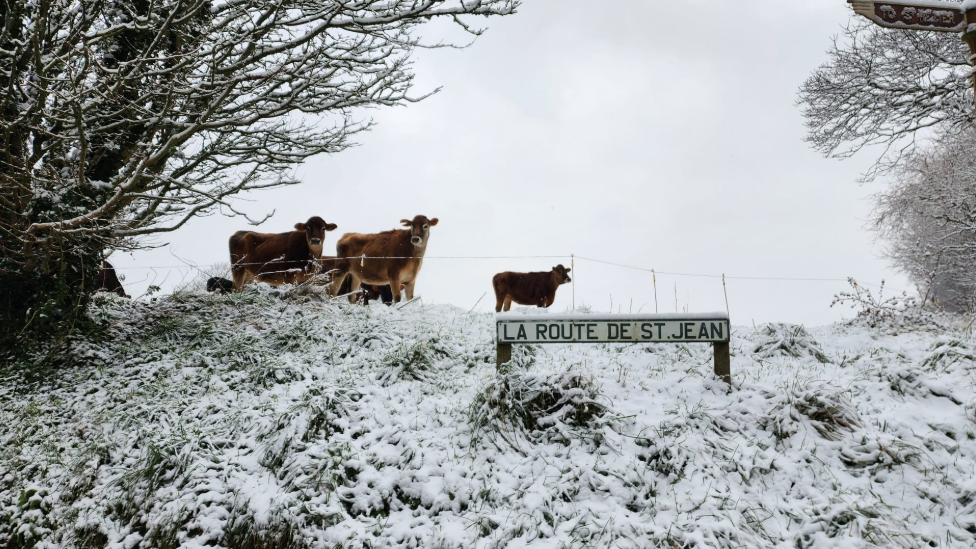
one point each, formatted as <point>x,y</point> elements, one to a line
<point>425,225</point>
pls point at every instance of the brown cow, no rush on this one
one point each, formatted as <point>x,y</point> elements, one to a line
<point>279,258</point>
<point>391,257</point>
<point>528,288</point>
<point>108,281</point>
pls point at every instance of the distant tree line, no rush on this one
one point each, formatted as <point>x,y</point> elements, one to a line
<point>121,120</point>
<point>908,94</point>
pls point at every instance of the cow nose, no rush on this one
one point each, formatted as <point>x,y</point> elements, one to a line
<point>417,241</point>
<point>316,241</point>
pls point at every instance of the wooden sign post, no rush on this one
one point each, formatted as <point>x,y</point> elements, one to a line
<point>929,15</point>
<point>711,328</point>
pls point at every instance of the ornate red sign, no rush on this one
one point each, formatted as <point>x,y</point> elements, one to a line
<point>934,16</point>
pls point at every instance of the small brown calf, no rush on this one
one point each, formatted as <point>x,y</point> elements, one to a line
<point>537,289</point>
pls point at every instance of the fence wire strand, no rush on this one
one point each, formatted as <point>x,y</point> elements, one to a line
<point>571,257</point>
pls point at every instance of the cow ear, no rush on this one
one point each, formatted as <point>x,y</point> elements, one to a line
<point>406,222</point>
<point>300,226</point>
<point>433,222</point>
<point>331,226</point>
<point>567,270</point>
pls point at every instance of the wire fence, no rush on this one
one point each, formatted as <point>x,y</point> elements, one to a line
<point>569,258</point>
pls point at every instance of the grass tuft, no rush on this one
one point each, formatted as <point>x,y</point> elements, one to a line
<point>828,408</point>
<point>778,339</point>
<point>539,405</point>
<point>244,532</point>
<point>411,361</point>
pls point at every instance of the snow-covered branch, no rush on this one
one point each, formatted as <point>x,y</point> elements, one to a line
<point>122,110</point>
<point>886,87</point>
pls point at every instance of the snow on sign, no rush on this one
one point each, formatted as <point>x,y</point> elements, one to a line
<point>920,15</point>
<point>587,328</point>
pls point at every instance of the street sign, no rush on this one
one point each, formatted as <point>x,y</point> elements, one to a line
<point>707,328</point>
<point>919,15</point>
<point>711,328</point>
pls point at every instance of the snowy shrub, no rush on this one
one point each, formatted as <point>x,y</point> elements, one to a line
<point>825,406</point>
<point>830,520</point>
<point>899,312</point>
<point>523,357</point>
<point>944,354</point>
<point>881,450</point>
<point>243,531</point>
<point>828,408</point>
<point>664,457</point>
<point>322,412</point>
<point>161,463</point>
<point>787,340</point>
<point>411,361</point>
<point>539,405</point>
<point>917,384</point>
<point>782,421</point>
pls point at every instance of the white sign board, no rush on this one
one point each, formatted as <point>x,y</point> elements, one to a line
<point>676,328</point>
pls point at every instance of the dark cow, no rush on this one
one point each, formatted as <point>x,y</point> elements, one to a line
<point>528,288</point>
<point>280,258</point>
<point>391,257</point>
<point>108,281</point>
<point>219,285</point>
<point>368,292</point>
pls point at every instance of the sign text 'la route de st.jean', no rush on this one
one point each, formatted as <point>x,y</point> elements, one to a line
<point>613,329</point>
<point>711,328</point>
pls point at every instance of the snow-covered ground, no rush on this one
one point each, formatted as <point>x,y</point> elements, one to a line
<point>269,419</point>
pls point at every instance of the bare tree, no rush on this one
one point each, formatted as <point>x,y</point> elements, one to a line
<point>889,88</point>
<point>927,215</point>
<point>121,119</point>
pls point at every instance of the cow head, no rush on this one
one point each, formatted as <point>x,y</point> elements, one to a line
<point>419,229</point>
<point>315,229</point>
<point>560,276</point>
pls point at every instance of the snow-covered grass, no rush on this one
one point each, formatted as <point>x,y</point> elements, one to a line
<point>277,419</point>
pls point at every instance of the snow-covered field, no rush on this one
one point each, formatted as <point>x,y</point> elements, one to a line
<point>269,419</point>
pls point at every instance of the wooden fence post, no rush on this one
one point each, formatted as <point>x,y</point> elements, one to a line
<point>723,361</point>
<point>503,354</point>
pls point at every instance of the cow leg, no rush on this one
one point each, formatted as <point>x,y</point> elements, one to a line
<point>239,278</point>
<point>242,279</point>
<point>409,288</point>
<point>499,301</point>
<point>355,282</point>
<point>386,294</point>
<point>395,286</point>
<point>508,303</point>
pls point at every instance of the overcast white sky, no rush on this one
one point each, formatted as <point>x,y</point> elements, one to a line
<point>658,135</point>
